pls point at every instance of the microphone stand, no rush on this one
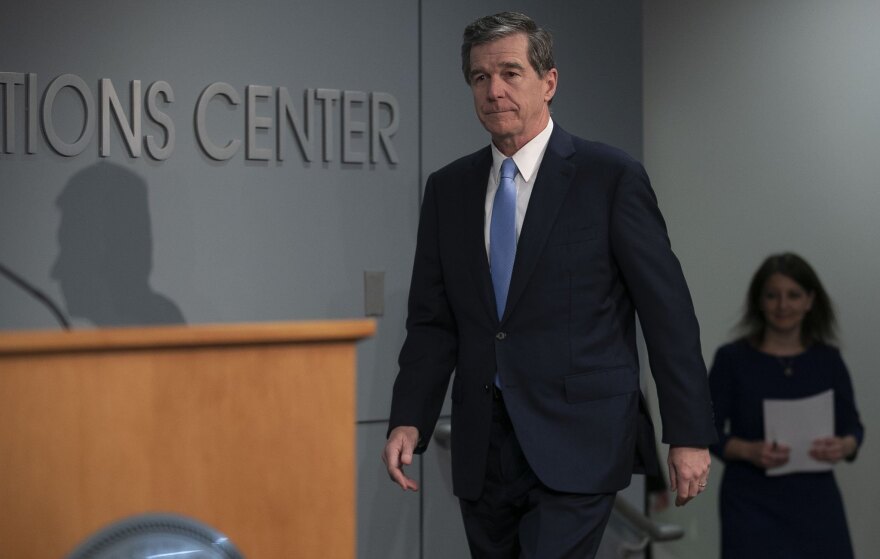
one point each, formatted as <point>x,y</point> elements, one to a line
<point>36,294</point>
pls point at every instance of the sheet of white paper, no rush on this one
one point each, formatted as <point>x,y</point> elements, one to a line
<point>796,424</point>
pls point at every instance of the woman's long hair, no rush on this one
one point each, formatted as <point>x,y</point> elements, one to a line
<point>819,326</point>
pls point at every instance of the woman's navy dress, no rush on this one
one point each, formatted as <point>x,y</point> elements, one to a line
<point>794,516</point>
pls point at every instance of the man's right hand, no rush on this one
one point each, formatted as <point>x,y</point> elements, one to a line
<point>398,453</point>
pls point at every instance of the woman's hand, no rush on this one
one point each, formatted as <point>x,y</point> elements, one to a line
<point>833,449</point>
<point>769,455</point>
<point>763,454</point>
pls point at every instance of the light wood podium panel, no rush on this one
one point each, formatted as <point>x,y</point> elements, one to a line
<point>249,428</point>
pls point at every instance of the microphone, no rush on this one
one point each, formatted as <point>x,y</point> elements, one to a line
<point>36,294</point>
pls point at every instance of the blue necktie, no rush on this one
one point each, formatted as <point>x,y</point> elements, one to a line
<point>502,234</point>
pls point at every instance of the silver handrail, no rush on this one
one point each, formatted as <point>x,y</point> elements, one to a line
<point>653,530</point>
<point>647,529</point>
<point>443,433</point>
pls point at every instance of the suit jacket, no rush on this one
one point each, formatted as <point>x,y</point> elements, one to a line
<point>593,250</point>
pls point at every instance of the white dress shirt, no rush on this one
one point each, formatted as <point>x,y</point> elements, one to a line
<point>528,160</point>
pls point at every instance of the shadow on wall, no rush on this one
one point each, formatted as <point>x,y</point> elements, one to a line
<point>105,250</point>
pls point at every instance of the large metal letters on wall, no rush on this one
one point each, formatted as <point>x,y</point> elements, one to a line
<point>368,120</point>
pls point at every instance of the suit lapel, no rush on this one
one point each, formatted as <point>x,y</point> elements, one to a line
<point>554,178</point>
<point>473,234</point>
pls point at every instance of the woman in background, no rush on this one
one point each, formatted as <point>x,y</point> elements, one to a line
<point>785,353</point>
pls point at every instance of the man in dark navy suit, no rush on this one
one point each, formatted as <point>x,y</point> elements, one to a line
<point>533,256</point>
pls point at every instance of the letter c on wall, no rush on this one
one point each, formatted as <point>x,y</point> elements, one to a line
<point>211,149</point>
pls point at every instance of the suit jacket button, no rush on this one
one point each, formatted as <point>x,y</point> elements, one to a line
<point>500,336</point>
<point>486,387</point>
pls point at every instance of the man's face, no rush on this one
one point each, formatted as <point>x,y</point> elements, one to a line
<point>510,98</point>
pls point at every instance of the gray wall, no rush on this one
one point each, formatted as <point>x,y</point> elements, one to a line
<point>133,240</point>
<point>761,131</point>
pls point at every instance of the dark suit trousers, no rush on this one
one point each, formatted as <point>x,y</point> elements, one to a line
<point>517,516</point>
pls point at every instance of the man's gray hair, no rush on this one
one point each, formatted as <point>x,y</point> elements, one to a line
<point>491,28</point>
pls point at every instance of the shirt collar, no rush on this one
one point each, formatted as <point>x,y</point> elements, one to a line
<point>528,158</point>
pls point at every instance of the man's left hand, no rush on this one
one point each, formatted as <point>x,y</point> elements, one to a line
<point>688,472</point>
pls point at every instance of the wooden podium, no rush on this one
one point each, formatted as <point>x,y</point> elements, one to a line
<point>249,428</point>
